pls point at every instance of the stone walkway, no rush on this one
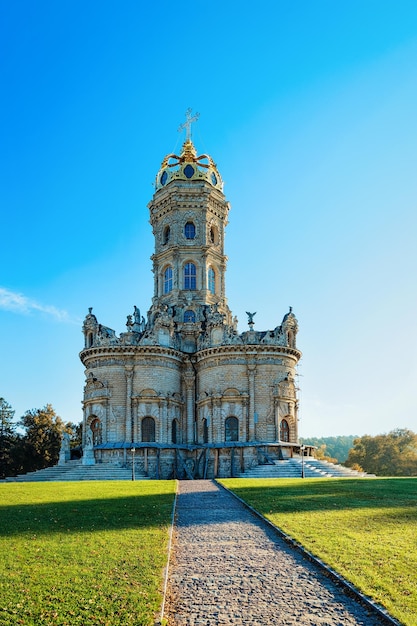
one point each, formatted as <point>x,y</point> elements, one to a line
<point>227,567</point>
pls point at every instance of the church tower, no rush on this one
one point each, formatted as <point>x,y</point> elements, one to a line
<point>188,214</point>
<point>183,387</point>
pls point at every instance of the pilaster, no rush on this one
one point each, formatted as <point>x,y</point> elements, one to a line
<point>128,422</point>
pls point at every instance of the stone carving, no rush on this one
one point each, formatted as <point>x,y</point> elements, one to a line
<point>139,322</point>
<point>64,453</point>
<point>88,452</point>
<point>90,321</point>
<point>250,318</point>
<point>213,315</point>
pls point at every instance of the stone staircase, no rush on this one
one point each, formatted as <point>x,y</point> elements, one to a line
<point>75,471</point>
<point>288,468</point>
<point>292,468</point>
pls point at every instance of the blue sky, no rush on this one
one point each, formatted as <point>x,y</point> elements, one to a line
<point>308,109</point>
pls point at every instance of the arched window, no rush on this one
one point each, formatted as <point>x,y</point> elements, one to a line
<point>90,340</point>
<point>167,232</point>
<point>168,279</point>
<point>205,431</point>
<point>189,316</point>
<point>212,280</point>
<point>174,431</point>
<point>189,230</point>
<point>190,276</point>
<point>96,431</point>
<point>231,429</point>
<point>148,429</point>
<point>284,431</point>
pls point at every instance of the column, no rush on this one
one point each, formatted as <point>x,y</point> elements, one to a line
<point>222,266</point>
<point>211,425</point>
<point>134,404</point>
<point>105,430</point>
<point>159,434</point>
<point>189,395</point>
<point>245,418</point>
<point>204,271</point>
<point>276,418</point>
<point>128,423</point>
<point>218,432</point>
<point>84,431</point>
<point>176,278</point>
<point>251,377</point>
<point>155,275</point>
<point>166,421</point>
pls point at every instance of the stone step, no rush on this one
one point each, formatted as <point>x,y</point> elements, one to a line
<point>292,468</point>
<point>75,471</point>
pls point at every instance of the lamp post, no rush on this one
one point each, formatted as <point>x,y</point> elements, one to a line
<point>133,463</point>
<point>302,448</point>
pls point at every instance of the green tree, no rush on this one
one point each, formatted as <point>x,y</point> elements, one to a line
<point>42,439</point>
<point>9,440</point>
<point>6,417</point>
<point>321,453</point>
<point>334,447</point>
<point>391,454</point>
<point>75,432</point>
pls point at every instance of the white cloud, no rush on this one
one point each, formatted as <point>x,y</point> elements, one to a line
<point>19,303</point>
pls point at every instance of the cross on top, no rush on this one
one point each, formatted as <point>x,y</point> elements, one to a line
<point>189,119</point>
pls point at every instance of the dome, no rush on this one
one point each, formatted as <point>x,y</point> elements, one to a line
<point>189,167</point>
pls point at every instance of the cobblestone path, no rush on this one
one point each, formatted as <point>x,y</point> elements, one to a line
<point>228,568</point>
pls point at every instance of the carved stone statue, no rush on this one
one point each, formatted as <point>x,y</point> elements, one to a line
<point>88,452</point>
<point>64,453</point>
<point>250,318</point>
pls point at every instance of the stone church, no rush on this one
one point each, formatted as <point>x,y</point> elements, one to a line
<point>182,392</point>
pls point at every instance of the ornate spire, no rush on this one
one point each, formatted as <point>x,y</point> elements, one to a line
<point>188,165</point>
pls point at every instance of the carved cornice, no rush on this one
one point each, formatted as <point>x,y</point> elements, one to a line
<point>90,401</point>
<point>168,401</point>
<point>129,351</point>
<point>247,350</point>
<point>225,355</point>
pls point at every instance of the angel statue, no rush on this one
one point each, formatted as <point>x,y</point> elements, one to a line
<point>250,318</point>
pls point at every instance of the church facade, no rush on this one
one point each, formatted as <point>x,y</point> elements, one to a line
<point>182,392</point>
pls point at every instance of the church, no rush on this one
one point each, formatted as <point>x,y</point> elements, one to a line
<point>181,393</point>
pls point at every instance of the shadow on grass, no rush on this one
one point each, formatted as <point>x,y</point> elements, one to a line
<point>393,497</point>
<point>293,496</point>
<point>87,515</point>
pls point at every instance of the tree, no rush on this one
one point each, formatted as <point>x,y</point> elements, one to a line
<point>391,454</point>
<point>6,417</point>
<point>332,447</point>
<point>42,440</point>
<point>8,440</point>
<point>75,432</point>
<point>321,454</point>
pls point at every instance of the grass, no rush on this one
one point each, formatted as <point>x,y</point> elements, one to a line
<point>364,529</point>
<point>83,553</point>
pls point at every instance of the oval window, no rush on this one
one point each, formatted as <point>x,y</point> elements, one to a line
<point>189,171</point>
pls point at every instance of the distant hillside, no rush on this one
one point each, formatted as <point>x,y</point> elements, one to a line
<point>335,447</point>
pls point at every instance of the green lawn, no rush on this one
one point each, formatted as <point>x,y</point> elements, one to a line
<point>83,553</point>
<point>364,529</point>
